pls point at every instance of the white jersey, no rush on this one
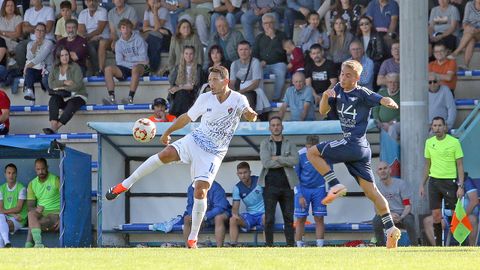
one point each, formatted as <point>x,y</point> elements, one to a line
<point>219,120</point>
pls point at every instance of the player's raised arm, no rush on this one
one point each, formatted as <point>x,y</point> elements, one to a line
<point>250,114</point>
<point>389,103</point>
<point>179,123</point>
<point>324,107</point>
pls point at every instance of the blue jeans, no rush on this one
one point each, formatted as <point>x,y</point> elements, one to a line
<point>174,18</point>
<point>249,19</point>
<point>154,48</point>
<point>3,73</point>
<point>232,19</point>
<point>32,76</point>
<point>279,69</point>
<point>288,24</point>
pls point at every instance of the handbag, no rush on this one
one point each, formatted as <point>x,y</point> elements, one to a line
<point>59,92</point>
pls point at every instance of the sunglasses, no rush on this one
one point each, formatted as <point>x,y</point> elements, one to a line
<point>432,82</point>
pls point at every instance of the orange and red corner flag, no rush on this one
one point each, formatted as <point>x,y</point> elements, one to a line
<point>460,226</point>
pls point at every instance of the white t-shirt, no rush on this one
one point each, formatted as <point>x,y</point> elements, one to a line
<point>163,14</point>
<point>91,22</point>
<point>219,120</point>
<point>43,15</point>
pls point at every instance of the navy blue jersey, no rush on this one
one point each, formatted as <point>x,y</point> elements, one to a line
<point>353,109</point>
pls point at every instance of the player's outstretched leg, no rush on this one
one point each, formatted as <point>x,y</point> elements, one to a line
<point>198,211</point>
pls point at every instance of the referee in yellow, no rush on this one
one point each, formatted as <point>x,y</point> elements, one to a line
<point>443,163</point>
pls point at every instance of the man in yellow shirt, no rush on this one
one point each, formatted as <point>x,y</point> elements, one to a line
<point>43,200</point>
<point>443,166</point>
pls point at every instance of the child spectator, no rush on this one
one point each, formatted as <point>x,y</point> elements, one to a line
<point>311,33</point>
<point>160,114</point>
<point>66,13</point>
<point>295,56</point>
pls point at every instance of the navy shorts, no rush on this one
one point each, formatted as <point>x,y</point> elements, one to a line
<point>251,220</point>
<point>126,72</point>
<point>313,197</point>
<point>357,156</point>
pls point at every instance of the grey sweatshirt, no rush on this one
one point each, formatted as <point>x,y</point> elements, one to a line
<point>442,104</point>
<point>131,52</point>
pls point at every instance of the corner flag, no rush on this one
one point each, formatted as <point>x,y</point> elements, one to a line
<point>461,226</point>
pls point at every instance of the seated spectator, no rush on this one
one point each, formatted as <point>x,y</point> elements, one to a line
<point>227,38</point>
<point>39,62</point>
<point>66,14</point>
<point>13,209</point>
<point>158,31</point>
<point>175,8</point>
<point>299,98</point>
<point>472,206</point>
<point>441,102</point>
<point>296,62</point>
<point>217,215</point>
<point>4,113</point>
<point>131,61</point>
<point>43,201</point>
<point>386,118</point>
<point>76,45</point>
<point>269,50</point>
<point>93,26</point>
<point>398,195</point>
<point>216,58</point>
<point>231,9</point>
<point>254,15</point>
<point>57,6</point>
<point>320,72</point>
<point>310,191</point>
<point>246,77</point>
<point>443,69</point>
<point>160,114</point>
<point>443,24</point>
<point>340,40</point>
<point>185,80</point>
<point>199,15</point>
<point>313,34</point>
<point>358,53</point>
<point>10,24</point>
<point>3,60</point>
<point>471,33</point>
<point>184,36</point>
<point>347,10</point>
<point>33,16</point>
<point>385,15</point>
<point>391,65</point>
<point>248,191</point>
<point>298,9</point>
<point>68,90</point>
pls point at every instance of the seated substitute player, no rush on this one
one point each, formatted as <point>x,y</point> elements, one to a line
<point>204,148</point>
<point>217,215</point>
<point>352,104</point>
<point>248,191</point>
<point>310,191</point>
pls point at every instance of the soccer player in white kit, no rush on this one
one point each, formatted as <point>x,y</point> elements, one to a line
<point>204,148</point>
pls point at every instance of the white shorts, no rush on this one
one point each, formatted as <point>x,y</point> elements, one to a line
<point>16,224</point>
<point>204,166</point>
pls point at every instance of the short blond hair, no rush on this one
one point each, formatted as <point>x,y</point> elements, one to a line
<point>354,65</point>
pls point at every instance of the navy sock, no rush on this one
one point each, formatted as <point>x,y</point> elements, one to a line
<point>387,221</point>
<point>331,179</point>
<point>437,232</point>
<point>131,94</point>
<point>111,93</point>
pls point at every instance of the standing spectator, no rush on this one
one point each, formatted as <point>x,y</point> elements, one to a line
<point>93,26</point>
<point>158,31</point>
<point>278,156</point>
<point>268,49</point>
<point>33,16</point>
<point>231,9</point>
<point>66,14</point>
<point>340,40</point>
<point>131,61</point>
<point>391,65</point>
<point>398,195</point>
<point>69,93</point>
<point>443,24</point>
<point>298,9</point>
<point>76,45</point>
<point>13,209</point>
<point>443,165</point>
<point>384,14</point>
<point>320,72</point>
<point>255,13</point>
<point>185,80</point>
<point>313,33</point>
<point>39,62</point>
<point>43,201</point>
<point>299,99</point>
<point>358,54</point>
<point>471,32</point>
<point>386,118</point>
<point>217,213</point>
<point>227,38</point>
<point>160,114</point>
<point>441,102</point>
<point>310,191</point>
<point>10,24</point>
<point>248,191</point>
<point>347,10</point>
<point>472,206</point>
<point>184,36</point>
<point>443,70</point>
<point>4,113</point>
<point>246,77</point>
<point>296,61</point>
<point>174,8</point>
<point>199,15</point>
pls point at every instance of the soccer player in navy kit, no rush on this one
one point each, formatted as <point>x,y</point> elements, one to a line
<point>352,103</point>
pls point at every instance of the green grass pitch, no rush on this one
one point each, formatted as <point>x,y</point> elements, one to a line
<point>424,258</point>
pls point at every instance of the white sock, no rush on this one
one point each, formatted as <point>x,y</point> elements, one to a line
<point>300,244</point>
<point>4,229</point>
<point>147,167</point>
<point>320,242</point>
<point>198,212</point>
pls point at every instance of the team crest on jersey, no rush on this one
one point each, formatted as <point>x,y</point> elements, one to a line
<point>209,109</point>
<point>49,188</point>
<point>230,110</point>
<point>10,199</point>
<point>352,99</point>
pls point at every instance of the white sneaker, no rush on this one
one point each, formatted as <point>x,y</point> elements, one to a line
<point>29,95</point>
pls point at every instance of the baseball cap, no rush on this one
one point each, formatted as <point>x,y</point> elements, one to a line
<point>159,101</point>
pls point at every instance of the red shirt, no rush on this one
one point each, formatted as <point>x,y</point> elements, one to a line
<point>296,59</point>
<point>4,104</point>
<point>170,118</point>
<point>448,65</point>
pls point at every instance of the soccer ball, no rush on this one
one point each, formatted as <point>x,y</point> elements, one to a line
<point>144,130</point>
